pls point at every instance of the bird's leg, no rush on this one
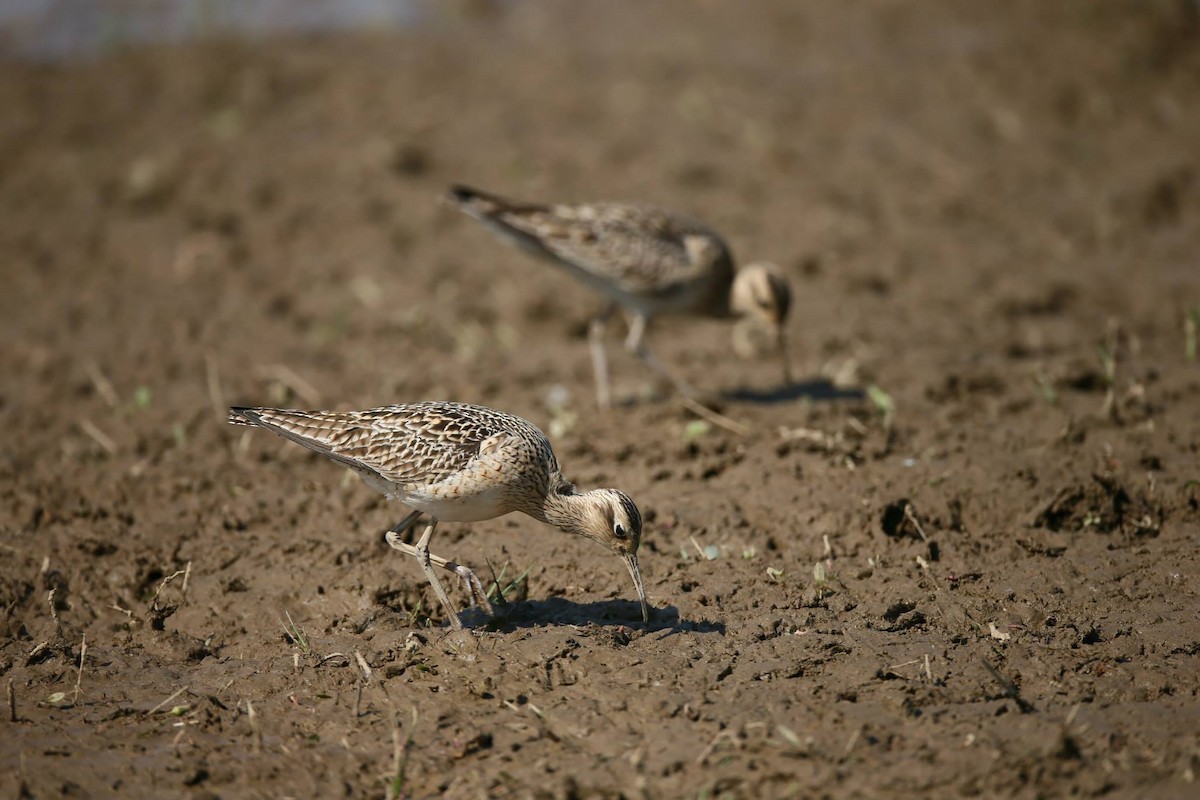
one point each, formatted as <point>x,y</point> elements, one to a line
<point>395,540</point>
<point>421,551</point>
<point>403,526</point>
<point>599,359</point>
<point>472,583</point>
<point>634,344</point>
<point>785,353</point>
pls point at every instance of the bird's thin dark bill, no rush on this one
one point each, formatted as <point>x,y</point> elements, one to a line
<point>785,353</point>
<point>631,562</point>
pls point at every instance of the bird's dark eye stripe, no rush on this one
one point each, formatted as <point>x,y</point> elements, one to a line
<point>762,300</point>
<point>608,512</point>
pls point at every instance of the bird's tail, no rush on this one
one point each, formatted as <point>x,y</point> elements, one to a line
<point>508,219</point>
<point>483,205</point>
<point>241,415</point>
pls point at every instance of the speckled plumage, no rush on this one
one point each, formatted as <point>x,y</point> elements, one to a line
<point>461,463</point>
<point>446,459</point>
<point>647,260</point>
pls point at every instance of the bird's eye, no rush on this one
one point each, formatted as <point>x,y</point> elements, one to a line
<point>619,531</point>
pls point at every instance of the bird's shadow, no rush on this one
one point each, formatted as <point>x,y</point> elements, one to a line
<point>818,389</point>
<point>606,613</point>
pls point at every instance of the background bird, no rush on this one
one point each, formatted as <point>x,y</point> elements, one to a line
<point>461,463</point>
<point>647,260</point>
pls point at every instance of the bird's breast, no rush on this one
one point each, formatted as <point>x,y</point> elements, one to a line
<point>486,492</point>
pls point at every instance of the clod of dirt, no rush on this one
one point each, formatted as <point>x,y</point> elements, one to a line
<point>1046,301</point>
<point>902,615</point>
<point>894,519</point>
<point>900,519</point>
<point>1104,505</point>
<point>473,745</point>
<point>1084,377</point>
<point>410,160</point>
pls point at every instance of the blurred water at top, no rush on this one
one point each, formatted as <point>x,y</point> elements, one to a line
<point>60,29</point>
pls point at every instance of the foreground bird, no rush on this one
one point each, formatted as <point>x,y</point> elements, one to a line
<point>648,261</point>
<point>459,463</point>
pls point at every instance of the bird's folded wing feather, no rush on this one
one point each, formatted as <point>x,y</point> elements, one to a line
<point>639,250</point>
<point>401,448</point>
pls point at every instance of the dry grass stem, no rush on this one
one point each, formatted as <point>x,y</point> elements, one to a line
<point>98,436</point>
<point>79,675</point>
<point>54,612</point>
<point>364,666</point>
<point>255,730</point>
<point>12,702</point>
<point>716,418</point>
<point>1108,360</point>
<point>396,784</point>
<point>103,385</point>
<point>400,753</point>
<point>892,669</point>
<point>790,736</point>
<point>332,656</point>
<point>163,584</point>
<point>171,697</point>
<point>911,516</point>
<point>850,744</point>
<point>712,745</point>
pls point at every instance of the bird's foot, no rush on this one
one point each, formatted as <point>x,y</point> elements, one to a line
<point>474,588</point>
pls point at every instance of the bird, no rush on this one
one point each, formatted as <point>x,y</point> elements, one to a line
<point>458,462</point>
<point>647,260</point>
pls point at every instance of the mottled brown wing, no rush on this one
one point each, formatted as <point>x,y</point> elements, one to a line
<point>639,250</point>
<point>401,444</point>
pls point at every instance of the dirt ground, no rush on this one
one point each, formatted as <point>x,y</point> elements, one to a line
<point>989,212</point>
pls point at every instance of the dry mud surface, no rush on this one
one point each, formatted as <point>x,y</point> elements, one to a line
<point>991,212</point>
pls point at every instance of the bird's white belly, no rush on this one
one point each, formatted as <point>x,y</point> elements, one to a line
<point>465,507</point>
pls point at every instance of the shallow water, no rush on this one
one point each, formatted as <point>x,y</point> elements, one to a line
<point>64,29</point>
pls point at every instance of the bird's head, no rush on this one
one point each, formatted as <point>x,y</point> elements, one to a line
<point>761,293</point>
<point>611,518</point>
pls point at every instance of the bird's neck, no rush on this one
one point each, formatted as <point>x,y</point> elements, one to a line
<point>721,302</point>
<point>563,509</point>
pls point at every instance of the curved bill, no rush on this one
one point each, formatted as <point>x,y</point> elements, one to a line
<point>785,354</point>
<point>631,563</point>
